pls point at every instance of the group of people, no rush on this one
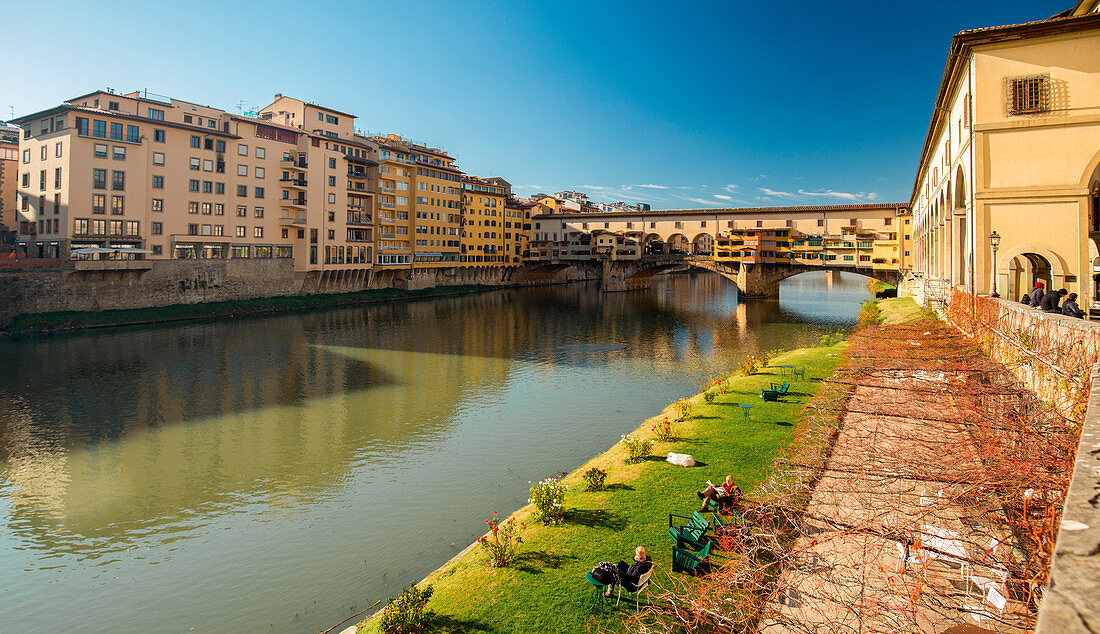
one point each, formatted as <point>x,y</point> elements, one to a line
<point>1048,301</point>
<point>727,495</point>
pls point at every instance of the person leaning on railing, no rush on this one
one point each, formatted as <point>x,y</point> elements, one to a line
<point>1049,304</point>
<point>1070,307</point>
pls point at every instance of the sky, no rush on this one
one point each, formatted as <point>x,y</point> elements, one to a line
<point>681,105</point>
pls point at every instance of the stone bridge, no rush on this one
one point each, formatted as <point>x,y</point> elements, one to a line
<point>752,279</point>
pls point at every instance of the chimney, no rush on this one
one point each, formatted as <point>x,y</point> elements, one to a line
<point>278,95</point>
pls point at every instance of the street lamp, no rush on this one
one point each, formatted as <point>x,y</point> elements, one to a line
<point>994,241</point>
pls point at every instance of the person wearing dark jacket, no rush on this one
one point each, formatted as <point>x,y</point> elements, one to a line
<point>1049,303</point>
<point>1069,307</point>
<point>1036,294</point>
<point>629,574</point>
<point>1026,300</point>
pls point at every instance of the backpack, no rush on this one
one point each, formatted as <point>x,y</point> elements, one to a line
<point>605,573</point>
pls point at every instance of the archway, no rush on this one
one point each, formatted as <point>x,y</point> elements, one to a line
<point>678,244</point>
<point>960,189</point>
<point>702,244</point>
<point>652,244</point>
<point>1023,271</point>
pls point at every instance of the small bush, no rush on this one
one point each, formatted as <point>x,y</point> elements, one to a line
<point>637,447</point>
<point>750,366</point>
<point>404,613</point>
<point>833,339</point>
<point>548,496</point>
<point>869,314</point>
<point>708,398</point>
<point>683,409</point>
<point>663,430</point>
<point>501,540</point>
<point>594,479</point>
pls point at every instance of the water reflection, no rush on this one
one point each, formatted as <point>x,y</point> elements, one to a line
<point>192,470</point>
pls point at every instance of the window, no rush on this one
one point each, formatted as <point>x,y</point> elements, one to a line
<point>192,207</point>
<point>242,211</point>
<point>82,126</point>
<point>133,134</point>
<point>155,114</point>
<point>195,163</point>
<point>207,165</point>
<point>118,152</point>
<point>219,230</point>
<point>192,185</point>
<point>112,105</point>
<point>332,163</point>
<point>158,158</point>
<point>208,187</point>
<point>219,188</point>
<point>208,144</point>
<point>116,131</point>
<point>99,204</point>
<point>242,232</point>
<point>99,128</point>
<point>220,145</point>
<point>1028,95</point>
<point>57,178</point>
<point>331,119</point>
<point>99,150</point>
<point>196,142</point>
<point>57,149</point>
<point>42,152</point>
<point>118,180</point>
<point>187,118</point>
<point>192,229</point>
<point>261,153</point>
<point>242,170</point>
<point>257,232</point>
<point>259,192</point>
<point>81,226</point>
<point>117,206</point>
<point>242,149</point>
<point>219,210</point>
<point>242,191</point>
<point>213,124</point>
<point>332,199</point>
<point>259,212</point>
<point>99,179</point>
<point>260,172</point>
<point>207,209</point>
<point>158,136</point>
<point>158,205</point>
<point>156,228</point>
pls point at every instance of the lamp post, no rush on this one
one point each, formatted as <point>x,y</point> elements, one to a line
<point>994,241</point>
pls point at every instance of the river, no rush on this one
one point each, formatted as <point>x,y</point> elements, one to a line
<point>279,474</point>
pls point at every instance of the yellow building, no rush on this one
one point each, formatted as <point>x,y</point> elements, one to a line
<point>483,220</point>
<point>517,229</point>
<point>1013,148</point>
<point>419,205</point>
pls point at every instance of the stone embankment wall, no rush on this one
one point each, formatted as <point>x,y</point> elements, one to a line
<point>86,286</point>
<point>1056,357</point>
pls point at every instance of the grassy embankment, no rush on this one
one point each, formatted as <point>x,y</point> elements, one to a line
<point>891,311</point>
<point>70,320</point>
<point>545,590</point>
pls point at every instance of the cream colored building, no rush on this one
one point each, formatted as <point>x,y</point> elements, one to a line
<point>165,178</point>
<point>483,215</point>
<point>1013,147</point>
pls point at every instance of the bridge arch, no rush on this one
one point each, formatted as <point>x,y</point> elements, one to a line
<point>702,244</point>
<point>677,242</point>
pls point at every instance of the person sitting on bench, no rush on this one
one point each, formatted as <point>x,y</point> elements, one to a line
<point>725,494</point>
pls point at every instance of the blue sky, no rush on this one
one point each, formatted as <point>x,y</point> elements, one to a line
<point>681,105</point>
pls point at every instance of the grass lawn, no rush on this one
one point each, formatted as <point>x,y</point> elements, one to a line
<point>900,309</point>
<point>545,589</point>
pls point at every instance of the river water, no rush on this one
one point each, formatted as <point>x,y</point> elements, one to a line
<point>280,474</point>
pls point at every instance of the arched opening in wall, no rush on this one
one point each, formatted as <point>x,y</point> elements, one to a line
<point>703,244</point>
<point>652,244</point>
<point>959,214</point>
<point>678,244</point>
<point>1023,271</point>
<point>960,189</point>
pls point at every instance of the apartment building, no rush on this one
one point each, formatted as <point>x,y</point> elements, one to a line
<point>419,205</point>
<point>9,177</point>
<point>517,228</point>
<point>125,175</point>
<point>483,216</point>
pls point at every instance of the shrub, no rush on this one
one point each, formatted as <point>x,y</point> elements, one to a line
<point>708,398</point>
<point>833,339</point>
<point>749,366</point>
<point>548,496</point>
<point>405,612</point>
<point>637,447</point>
<point>683,409</point>
<point>594,479</point>
<point>663,430</point>
<point>869,314</point>
<point>501,540</point>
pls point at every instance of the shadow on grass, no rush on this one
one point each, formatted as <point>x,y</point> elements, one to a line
<point>784,423</point>
<point>595,518</point>
<point>536,562</point>
<point>446,623</point>
<point>619,486</point>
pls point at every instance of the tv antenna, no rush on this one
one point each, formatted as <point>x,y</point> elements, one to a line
<point>12,108</point>
<point>240,106</point>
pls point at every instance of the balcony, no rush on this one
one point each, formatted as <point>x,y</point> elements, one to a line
<point>295,183</point>
<point>359,188</point>
<point>293,202</point>
<point>357,174</point>
<point>293,163</point>
<point>357,218</point>
<point>388,190</point>
<point>387,205</point>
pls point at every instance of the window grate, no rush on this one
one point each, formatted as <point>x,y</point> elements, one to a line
<point>1028,95</point>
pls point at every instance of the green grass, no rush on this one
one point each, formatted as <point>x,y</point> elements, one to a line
<point>69,320</point>
<point>900,309</point>
<point>545,589</point>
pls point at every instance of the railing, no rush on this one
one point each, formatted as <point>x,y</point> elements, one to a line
<point>387,205</point>
<point>297,182</point>
<point>355,218</point>
<point>388,190</point>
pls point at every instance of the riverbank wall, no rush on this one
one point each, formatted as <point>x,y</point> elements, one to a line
<point>1056,357</point>
<point>95,287</point>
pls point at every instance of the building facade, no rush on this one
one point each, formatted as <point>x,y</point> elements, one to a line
<point>9,179</point>
<point>1013,149</point>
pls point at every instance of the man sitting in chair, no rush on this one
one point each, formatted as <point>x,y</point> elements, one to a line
<point>725,494</point>
<point>629,574</point>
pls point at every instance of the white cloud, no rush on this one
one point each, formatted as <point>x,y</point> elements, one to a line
<point>730,187</point>
<point>650,186</point>
<point>723,197</point>
<point>772,192</point>
<point>829,193</point>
